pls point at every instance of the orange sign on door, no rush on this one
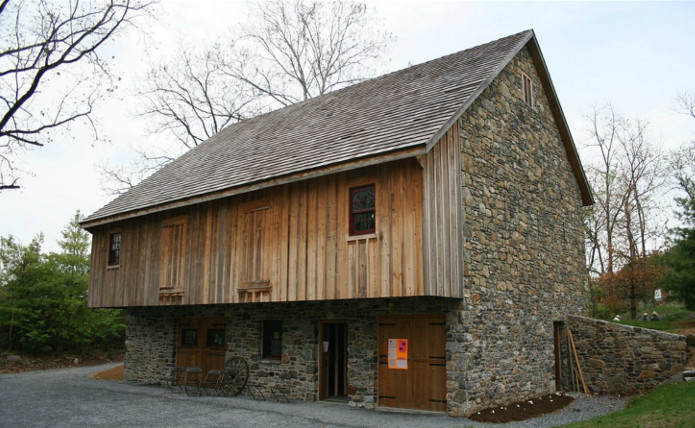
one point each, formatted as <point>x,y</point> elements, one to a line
<point>398,354</point>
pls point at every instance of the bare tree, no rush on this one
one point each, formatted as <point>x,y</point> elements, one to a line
<point>682,161</point>
<point>686,103</point>
<point>609,192</point>
<point>285,53</point>
<point>623,228</point>
<point>300,49</point>
<point>44,88</point>
<point>192,98</point>
<point>626,180</point>
<point>645,175</point>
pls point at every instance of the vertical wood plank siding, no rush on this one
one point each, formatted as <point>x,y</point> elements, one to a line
<point>442,217</point>
<point>306,251</point>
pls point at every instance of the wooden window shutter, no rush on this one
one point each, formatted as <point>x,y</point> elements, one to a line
<point>172,271</point>
<point>256,223</point>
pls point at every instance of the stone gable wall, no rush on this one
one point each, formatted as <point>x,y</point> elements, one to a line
<point>524,246</point>
<point>617,358</point>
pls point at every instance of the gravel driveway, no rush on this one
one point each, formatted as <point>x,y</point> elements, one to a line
<point>70,398</point>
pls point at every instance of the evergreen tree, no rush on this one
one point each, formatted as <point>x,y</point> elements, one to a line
<point>681,257</point>
<point>43,298</point>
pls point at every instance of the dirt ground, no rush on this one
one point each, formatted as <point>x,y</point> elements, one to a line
<point>522,410</point>
<point>115,373</point>
<point>49,361</point>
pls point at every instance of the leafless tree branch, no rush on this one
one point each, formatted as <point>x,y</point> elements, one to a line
<point>286,53</point>
<point>43,46</point>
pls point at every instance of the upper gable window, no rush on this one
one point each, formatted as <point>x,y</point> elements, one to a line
<point>114,250</point>
<point>173,253</point>
<point>527,89</point>
<point>362,210</point>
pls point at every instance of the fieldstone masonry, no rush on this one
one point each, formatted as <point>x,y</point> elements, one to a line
<point>151,340</point>
<point>622,358</point>
<point>524,246</point>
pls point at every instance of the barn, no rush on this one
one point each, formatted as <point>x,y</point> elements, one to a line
<point>412,241</point>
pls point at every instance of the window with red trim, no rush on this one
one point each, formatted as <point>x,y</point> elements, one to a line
<point>362,210</point>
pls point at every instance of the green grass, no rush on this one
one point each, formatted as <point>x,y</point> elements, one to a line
<point>667,406</point>
<point>668,314</point>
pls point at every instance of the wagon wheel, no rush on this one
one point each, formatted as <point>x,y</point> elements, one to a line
<point>236,374</point>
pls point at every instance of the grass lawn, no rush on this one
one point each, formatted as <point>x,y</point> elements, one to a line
<point>667,406</point>
<point>668,314</point>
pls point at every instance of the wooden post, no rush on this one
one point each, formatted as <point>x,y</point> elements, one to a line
<point>579,366</point>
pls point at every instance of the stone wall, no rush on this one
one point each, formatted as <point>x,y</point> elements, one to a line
<point>622,358</point>
<point>524,246</point>
<point>151,339</point>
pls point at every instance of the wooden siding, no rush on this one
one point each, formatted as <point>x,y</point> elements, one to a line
<point>306,252</point>
<point>442,217</point>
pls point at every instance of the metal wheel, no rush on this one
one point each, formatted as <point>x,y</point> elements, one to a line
<point>235,376</point>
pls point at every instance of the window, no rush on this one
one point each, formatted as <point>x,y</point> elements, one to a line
<point>171,274</point>
<point>215,338</point>
<point>189,337</point>
<point>256,221</point>
<point>527,88</point>
<point>114,249</point>
<point>362,212</point>
<point>272,339</point>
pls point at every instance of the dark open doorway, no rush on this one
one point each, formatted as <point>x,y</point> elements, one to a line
<point>333,360</point>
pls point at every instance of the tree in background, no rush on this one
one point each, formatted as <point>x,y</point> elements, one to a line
<point>623,227</point>
<point>286,52</point>
<point>681,256</point>
<point>51,73</point>
<point>43,298</point>
<point>635,281</point>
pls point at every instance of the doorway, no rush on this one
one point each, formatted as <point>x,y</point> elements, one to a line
<point>200,342</point>
<point>412,361</point>
<point>333,360</point>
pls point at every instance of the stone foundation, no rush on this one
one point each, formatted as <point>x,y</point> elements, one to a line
<point>151,340</point>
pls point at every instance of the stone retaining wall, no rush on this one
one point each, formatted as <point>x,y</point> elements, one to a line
<point>619,358</point>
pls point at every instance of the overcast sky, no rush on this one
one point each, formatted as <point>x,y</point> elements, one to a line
<point>637,55</point>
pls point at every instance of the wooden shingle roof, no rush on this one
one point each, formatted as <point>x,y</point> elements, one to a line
<point>403,110</point>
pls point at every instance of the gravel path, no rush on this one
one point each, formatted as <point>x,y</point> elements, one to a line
<point>70,398</point>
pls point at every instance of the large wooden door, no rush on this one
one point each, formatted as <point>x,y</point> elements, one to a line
<point>421,384</point>
<point>201,342</point>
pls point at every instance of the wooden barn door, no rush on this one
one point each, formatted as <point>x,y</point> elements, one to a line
<point>412,361</point>
<point>200,342</point>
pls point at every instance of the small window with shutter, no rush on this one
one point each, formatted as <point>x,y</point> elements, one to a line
<point>171,275</point>
<point>255,236</point>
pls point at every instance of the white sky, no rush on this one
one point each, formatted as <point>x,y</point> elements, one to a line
<point>637,55</point>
